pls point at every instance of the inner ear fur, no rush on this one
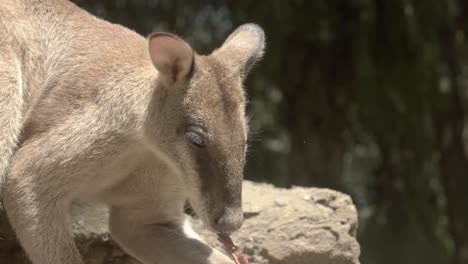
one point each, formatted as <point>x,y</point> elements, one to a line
<point>171,56</point>
<point>243,48</point>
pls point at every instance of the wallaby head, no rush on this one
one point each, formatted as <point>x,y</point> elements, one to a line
<point>204,106</point>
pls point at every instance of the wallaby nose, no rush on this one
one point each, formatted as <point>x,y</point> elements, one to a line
<point>229,221</point>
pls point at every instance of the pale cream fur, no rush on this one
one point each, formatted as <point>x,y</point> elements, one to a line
<point>85,113</point>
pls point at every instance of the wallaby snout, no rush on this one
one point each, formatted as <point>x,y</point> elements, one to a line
<point>229,220</point>
<point>227,215</point>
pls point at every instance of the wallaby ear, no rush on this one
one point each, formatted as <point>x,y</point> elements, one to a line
<point>171,56</point>
<point>243,48</point>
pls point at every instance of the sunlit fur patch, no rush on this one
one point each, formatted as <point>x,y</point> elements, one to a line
<point>189,232</point>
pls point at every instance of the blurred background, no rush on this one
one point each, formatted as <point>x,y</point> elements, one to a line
<point>369,97</point>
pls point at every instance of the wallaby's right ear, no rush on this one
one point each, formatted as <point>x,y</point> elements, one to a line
<point>171,56</point>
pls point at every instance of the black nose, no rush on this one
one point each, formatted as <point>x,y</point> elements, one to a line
<point>229,221</point>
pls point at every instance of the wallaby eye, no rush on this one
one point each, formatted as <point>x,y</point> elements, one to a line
<point>195,138</point>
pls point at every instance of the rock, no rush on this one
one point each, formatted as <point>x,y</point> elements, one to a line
<point>287,226</point>
<point>296,226</point>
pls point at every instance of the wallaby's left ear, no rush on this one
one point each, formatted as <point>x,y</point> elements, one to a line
<point>243,47</point>
<point>171,56</point>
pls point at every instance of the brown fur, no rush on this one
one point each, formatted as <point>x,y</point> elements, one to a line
<point>93,110</point>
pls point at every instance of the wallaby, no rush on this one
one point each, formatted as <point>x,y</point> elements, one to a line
<point>92,110</point>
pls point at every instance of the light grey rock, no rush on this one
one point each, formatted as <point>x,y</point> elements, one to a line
<point>296,226</point>
<point>287,226</point>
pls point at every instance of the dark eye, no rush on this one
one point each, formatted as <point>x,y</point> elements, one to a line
<point>195,138</point>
